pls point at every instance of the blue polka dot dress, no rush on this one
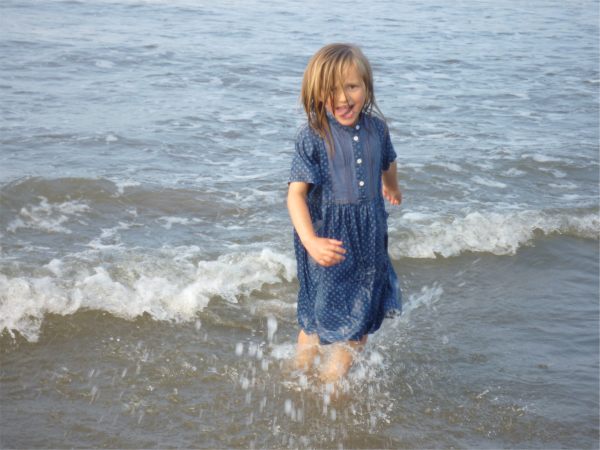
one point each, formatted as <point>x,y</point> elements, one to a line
<point>346,301</point>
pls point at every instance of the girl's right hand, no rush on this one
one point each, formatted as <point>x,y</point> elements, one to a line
<point>326,252</point>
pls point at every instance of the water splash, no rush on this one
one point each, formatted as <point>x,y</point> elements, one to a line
<point>271,328</point>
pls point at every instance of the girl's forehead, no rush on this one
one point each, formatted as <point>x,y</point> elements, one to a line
<point>349,72</point>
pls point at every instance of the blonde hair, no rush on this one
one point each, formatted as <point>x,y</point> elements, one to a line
<point>324,72</point>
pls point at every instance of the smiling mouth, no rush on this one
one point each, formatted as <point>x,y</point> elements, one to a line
<point>345,112</point>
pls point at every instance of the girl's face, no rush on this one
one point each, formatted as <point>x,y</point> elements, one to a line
<point>348,99</point>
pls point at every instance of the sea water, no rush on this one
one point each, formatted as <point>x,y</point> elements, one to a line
<point>147,279</point>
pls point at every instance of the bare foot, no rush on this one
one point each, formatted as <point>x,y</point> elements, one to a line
<point>340,360</point>
<point>337,364</point>
<point>306,350</point>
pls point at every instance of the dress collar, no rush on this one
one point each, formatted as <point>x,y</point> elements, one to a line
<point>333,122</point>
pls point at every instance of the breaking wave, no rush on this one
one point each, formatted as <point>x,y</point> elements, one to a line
<point>164,288</point>
<point>500,233</point>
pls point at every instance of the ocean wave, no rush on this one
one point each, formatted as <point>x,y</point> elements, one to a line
<point>500,233</point>
<point>48,217</point>
<point>48,204</point>
<point>131,288</point>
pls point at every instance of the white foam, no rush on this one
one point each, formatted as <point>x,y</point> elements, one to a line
<point>48,217</point>
<point>571,197</point>
<point>538,157</point>
<point>500,233</point>
<point>122,184</point>
<point>135,287</point>
<point>450,166</point>
<point>241,273</point>
<point>487,182</point>
<point>24,302</point>
<point>427,297</point>
<point>568,185</point>
<point>55,266</point>
<point>424,299</point>
<point>555,172</point>
<point>416,217</point>
<point>109,237</point>
<point>263,197</point>
<point>512,172</point>
<point>170,221</point>
<point>417,167</point>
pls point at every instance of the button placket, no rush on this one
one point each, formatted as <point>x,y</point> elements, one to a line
<point>360,169</point>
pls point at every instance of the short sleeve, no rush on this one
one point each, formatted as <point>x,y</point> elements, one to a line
<point>305,164</point>
<point>388,152</point>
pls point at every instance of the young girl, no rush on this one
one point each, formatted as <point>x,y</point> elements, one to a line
<point>342,168</point>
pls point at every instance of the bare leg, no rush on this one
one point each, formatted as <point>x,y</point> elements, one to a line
<point>306,350</point>
<point>340,359</point>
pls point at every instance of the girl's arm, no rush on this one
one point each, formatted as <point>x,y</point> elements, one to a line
<point>326,252</point>
<point>391,191</point>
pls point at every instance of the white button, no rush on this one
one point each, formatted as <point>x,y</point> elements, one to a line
<point>359,161</point>
<point>358,127</point>
<point>361,183</point>
<point>356,138</point>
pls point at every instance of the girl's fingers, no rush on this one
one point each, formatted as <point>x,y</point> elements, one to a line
<point>331,253</point>
<point>331,259</point>
<point>337,255</point>
<point>336,246</point>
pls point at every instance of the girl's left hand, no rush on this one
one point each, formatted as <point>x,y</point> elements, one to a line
<point>394,196</point>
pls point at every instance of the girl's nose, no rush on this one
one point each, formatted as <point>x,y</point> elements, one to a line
<point>345,99</point>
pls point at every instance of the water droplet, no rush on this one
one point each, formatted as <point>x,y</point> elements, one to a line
<point>239,349</point>
<point>245,382</point>
<point>271,327</point>
<point>303,381</point>
<point>376,358</point>
<point>252,348</point>
<point>94,393</point>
